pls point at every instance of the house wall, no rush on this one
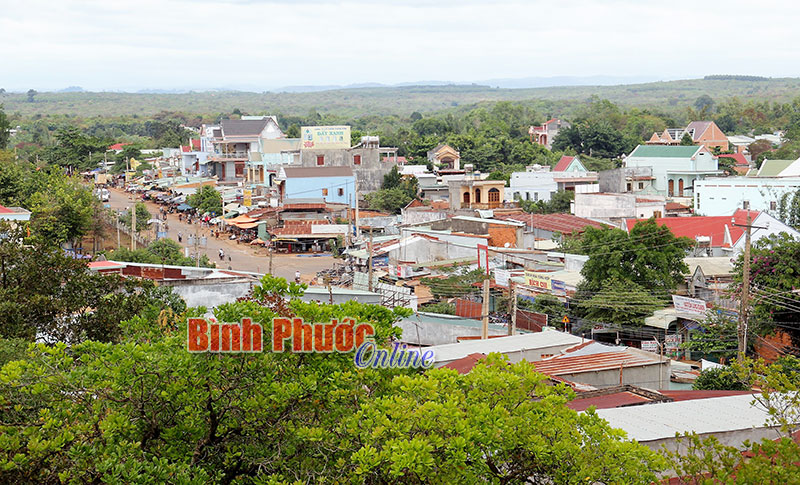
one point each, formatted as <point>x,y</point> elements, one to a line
<point>703,162</point>
<point>609,206</point>
<point>414,216</point>
<point>721,196</point>
<point>529,355</point>
<point>615,180</point>
<point>369,173</point>
<point>531,186</point>
<point>312,187</point>
<point>431,333</point>
<point>423,250</point>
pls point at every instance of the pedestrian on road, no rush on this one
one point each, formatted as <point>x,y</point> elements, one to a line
<point>180,237</point>
<point>297,276</point>
<point>221,254</point>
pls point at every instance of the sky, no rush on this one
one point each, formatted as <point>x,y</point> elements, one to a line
<point>262,45</point>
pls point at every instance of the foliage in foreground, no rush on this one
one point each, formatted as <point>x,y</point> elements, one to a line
<point>146,410</point>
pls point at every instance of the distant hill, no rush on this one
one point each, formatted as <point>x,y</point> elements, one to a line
<point>666,96</point>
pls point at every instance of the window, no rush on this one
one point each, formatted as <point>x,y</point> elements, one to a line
<point>494,195</point>
<point>773,205</point>
<point>745,204</point>
<point>547,356</point>
<point>356,159</point>
<point>535,196</point>
<point>641,185</point>
<point>340,192</point>
<point>324,192</point>
<point>680,187</point>
<point>527,196</point>
<point>516,195</point>
<point>671,188</point>
<point>320,160</point>
<point>629,187</point>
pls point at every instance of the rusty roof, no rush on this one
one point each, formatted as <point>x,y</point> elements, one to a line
<point>465,364</point>
<point>566,365</point>
<point>563,223</point>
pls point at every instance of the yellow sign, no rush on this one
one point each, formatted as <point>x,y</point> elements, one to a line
<point>324,137</point>
<point>565,320</point>
<point>248,198</point>
<point>538,280</point>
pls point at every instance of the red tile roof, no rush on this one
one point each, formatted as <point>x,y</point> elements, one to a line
<point>674,206</point>
<point>117,146</point>
<point>566,365</point>
<point>305,205</point>
<point>5,210</point>
<point>563,164</point>
<point>737,157</point>
<point>563,223</point>
<point>710,226</point>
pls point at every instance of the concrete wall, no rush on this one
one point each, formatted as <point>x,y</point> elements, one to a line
<point>615,180</point>
<point>608,206</point>
<point>722,196</point>
<point>321,294</point>
<point>644,376</point>
<point>424,332</point>
<point>414,216</point>
<point>531,186</point>
<point>210,293</point>
<point>369,173</point>
<point>529,355</point>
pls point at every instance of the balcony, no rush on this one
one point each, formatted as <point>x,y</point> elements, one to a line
<point>229,156</point>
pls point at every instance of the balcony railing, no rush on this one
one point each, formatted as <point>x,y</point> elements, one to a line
<point>243,155</point>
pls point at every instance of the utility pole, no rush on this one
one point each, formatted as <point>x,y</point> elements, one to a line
<point>369,262</point>
<point>133,227</point>
<point>485,310</point>
<point>512,326</point>
<point>196,246</point>
<point>271,250</point>
<point>358,229</point>
<point>116,223</point>
<point>741,331</point>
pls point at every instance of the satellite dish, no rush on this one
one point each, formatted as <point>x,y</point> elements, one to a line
<point>507,245</point>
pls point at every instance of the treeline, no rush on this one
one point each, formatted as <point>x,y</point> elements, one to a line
<point>733,77</point>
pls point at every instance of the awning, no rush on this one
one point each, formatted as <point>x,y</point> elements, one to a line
<point>246,225</point>
<point>184,207</point>
<point>244,218</point>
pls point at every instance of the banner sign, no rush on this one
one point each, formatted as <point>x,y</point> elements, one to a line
<point>538,280</point>
<point>689,306</point>
<point>325,137</point>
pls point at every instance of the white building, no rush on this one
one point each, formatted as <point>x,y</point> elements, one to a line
<point>721,196</point>
<point>606,206</point>
<point>675,168</point>
<point>538,182</point>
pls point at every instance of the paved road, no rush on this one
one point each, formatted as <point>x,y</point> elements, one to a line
<point>243,257</point>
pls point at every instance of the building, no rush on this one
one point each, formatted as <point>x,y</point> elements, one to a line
<point>193,157</point>
<point>732,420</point>
<point>606,366</point>
<point>546,133</point>
<point>329,146</point>
<point>444,157</point>
<point>703,133</point>
<point>538,182</point>
<point>333,184</point>
<point>675,168</point>
<point>424,329</point>
<point>740,164</point>
<point>548,227</point>
<point>471,193</point>
<point>719,196</point>
<point>500,233</point>
<point>263,165</point>
<point>235,141</point>
<point>608,207</point>
<point>721,235</point>
<point>626,180</point>
<point>14,214</point>
<point>530,347</point>
<point>779,168</point>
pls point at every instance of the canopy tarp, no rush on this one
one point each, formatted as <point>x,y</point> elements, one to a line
<point>246,225</point>
<point>184,207</point>
<point>241,219</point>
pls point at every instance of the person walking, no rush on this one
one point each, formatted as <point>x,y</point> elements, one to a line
<point>180,237</point>
<point>221,254</point>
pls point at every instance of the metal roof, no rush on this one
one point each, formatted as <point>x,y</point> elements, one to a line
<point>665,151</point>
<point>514,343</point>
<point>567,364</point>
<point>563,223</point>
<point>243,127</point>
<point>702,416</point>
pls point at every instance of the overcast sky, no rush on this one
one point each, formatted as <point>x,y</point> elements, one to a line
<point>259,45</point>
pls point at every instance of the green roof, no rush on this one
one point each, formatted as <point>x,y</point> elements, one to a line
<point>665,151</point>
<point>771,168</point>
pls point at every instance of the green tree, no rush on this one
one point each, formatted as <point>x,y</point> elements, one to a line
<point>720,379</point>
<point>63,211</point>
<point>388,200</point>
<point>550,306</point>
<point>207,199</point>
<point>618,302</point>
<point>31,93</point>
<point>142,216</point>
<point>162,251</point>
<point>560,203</point>
<point>5,129</point>
<point>686,140</point>
<point>392,179</point>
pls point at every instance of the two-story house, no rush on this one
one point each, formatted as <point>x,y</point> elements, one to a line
<point>544,134</point>
<point>234,142</point>
<point>674,168</point>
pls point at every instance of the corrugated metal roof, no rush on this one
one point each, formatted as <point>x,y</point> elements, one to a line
<point>567,364</point>
<point>689,395</point>
<point>664,420</point>
<point>619,399</point>
<point>563,223</point>
<point>514,343</point>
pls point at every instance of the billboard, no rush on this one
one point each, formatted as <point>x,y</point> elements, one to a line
<point>324,137</point>
<point>538,280</point>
